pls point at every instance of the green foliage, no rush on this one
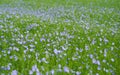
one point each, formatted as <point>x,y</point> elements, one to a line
<point>68,37</point>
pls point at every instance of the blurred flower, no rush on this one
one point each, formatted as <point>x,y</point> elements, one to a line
<point>86,47</point>
<point>14,72</point>
<point>112,60</point>
<point>42,39</point>
<point>78,73</point>
<point>52,72</point>
<point>57,51</point>
<point>66,69</point>
<point>34,68</point>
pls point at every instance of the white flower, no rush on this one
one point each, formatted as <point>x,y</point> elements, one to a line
<point>77,48</point>
<point>30,72</point>
<point>14,72</point>
<point>42,39</point>
<point>104,61</point>
<point>106,40</point>
<point>105,54</point>
<point>38,73</point>
<point>32,46</point>
<point>64,48</point>
<point>93,41</point>
<point>98,68</point>
<point>34,68</point>
<point>78,73</point>
<point>15,48</point>
<point>106,70</point>
<point>57,51</point>
<point>96,61</point>
<point>91,56</point>
<point>97,74</point>
<point>66,69</point>
<point>113,43</point>
<point>52,72</point>
<point>86,47</point>
<point>59,66</point>
<point>81,50</point>
<point>31,50</point>
<point>112,60</point>
<point>100,39</point>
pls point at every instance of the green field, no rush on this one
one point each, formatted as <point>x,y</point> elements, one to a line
<point>59,37</point>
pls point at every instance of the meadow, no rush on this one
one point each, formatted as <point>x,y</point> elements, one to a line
<point>60,37</point>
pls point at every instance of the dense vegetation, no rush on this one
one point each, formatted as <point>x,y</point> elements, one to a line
<point>54,37</point>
